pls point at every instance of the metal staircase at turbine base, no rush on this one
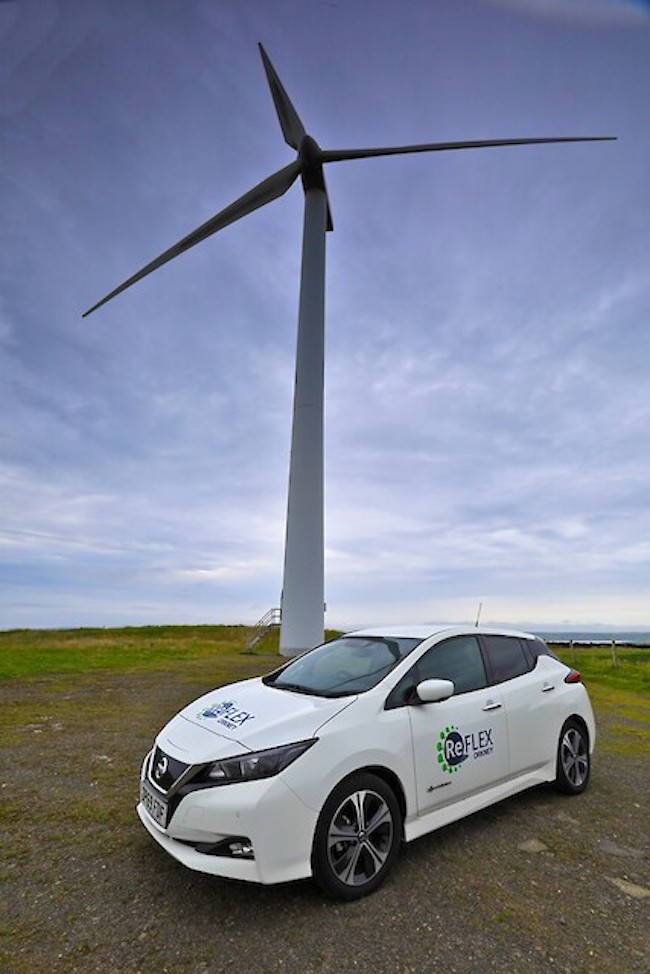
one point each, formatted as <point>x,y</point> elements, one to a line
<point>269,620</point>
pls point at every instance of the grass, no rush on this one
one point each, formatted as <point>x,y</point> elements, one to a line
<point>621,691</point>
<point>631,672</point>
<point>36,652</point>
<point>26,653</point>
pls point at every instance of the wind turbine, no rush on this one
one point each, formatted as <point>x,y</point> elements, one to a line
<point>303,589</point>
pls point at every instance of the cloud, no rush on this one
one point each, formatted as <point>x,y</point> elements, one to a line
<point>486,407</point>
<point>593,12</point>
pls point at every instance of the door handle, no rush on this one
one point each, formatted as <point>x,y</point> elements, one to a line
<point>492,705</point>
<point>547,687</point>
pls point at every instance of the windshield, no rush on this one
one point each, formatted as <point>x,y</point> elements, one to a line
<point>344,666</point>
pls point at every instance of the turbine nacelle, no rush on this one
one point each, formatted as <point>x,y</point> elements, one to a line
<point>310,157</point>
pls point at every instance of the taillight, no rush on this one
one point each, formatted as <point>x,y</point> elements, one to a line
<point>572,676</point>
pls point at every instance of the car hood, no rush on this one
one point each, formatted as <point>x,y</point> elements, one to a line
<point>249,714</point>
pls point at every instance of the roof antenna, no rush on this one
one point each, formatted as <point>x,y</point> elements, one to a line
<point>478,614</point>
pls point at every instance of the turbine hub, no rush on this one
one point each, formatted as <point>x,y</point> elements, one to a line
<point>310,154</point>
<point>311,160</point>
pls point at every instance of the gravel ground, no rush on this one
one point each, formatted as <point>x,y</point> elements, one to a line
<point>539,883</point>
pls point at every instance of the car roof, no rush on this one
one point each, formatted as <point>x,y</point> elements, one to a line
<point>427,631</point>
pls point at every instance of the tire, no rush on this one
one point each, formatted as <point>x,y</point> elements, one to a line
<point>573,762</point>
<point>357,837</point>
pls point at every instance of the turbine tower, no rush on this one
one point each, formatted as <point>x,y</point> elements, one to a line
<point>303,587</point>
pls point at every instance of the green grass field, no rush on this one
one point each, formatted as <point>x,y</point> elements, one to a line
<point>620,692</point>
<point>39,652</point>
<point>34,653</point>
<point>595,663</point>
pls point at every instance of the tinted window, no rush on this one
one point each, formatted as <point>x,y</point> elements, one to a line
<point>402,692</point>
<point>506,657</point>
<point>458,659</point>
<point>539,648</point>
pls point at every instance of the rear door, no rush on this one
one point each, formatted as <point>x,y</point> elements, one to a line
<point>459,745</point>
<point>528,692</point>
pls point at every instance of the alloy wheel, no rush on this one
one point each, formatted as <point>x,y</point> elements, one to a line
<point>574,757</point>
<point>360,837</point>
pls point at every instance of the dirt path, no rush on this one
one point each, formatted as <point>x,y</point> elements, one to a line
<point>540,883</point>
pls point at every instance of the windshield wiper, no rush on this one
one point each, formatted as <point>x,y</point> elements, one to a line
<point>296,688</point>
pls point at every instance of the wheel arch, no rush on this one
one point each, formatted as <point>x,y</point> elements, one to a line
<point>577,719</point>
<point>389,778</point>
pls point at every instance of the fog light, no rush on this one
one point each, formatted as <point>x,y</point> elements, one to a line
<point>233,847</point>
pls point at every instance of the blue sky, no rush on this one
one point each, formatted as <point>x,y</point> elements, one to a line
<point>488,339</point>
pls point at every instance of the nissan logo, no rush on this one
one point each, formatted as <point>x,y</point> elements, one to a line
<point>161,768</point>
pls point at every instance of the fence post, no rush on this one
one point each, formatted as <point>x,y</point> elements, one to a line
<point>573,652</point>
<point>614,659</point>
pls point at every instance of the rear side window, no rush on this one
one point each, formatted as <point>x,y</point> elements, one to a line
<point>506,657</point>
<point>539,648</point>
<point>458,659</point>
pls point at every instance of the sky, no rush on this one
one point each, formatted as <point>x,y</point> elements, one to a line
<point>488,341</point>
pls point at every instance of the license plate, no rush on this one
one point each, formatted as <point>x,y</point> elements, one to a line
<point>155,804</point>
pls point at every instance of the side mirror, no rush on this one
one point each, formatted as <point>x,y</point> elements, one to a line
<point>433,691</point>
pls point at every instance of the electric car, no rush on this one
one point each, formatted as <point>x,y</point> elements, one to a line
<point>325,766</point>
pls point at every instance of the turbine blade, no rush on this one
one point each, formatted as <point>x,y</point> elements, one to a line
<point>266,191</point>
<point>292,128</point>
<point>338,155</point>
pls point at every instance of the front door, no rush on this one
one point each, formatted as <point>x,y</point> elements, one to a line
<point>460,745</point>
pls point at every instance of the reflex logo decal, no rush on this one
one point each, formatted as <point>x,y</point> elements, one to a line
<point>226,712</point>
<point>454,748</point>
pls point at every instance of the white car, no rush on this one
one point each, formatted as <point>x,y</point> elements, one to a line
<point>325,766</point>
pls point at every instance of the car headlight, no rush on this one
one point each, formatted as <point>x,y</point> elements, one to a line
<point>258,764</point>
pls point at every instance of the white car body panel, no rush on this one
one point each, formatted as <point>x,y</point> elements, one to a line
<point>483,736</point>
<point>444,760</point>
<point>447,814</point>
<point>256,716</point>
<point>261,810</point>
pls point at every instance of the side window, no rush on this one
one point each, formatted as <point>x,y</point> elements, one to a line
<point>506,657</point>
<point>458,659</point>
<point>402,691</point>
<point>539,648</point>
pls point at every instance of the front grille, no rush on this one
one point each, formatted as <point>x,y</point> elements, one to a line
<point>164,770</point>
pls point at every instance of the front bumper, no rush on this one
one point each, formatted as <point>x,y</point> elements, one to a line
<point>278,824</point>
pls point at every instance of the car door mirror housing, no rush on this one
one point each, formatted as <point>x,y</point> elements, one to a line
<point>433,691</point>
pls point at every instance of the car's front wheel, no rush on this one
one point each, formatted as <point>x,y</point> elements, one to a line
<point>357,837</point>
<point>573,764</point>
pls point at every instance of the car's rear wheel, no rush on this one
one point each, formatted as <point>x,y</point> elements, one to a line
<point>357,837</point>
<point>573,764</point>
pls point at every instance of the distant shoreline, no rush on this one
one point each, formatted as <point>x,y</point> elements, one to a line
<point>598,642</point>
<point>637,640</point>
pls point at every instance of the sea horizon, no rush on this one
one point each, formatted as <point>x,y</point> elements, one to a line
<point>630,637</point>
